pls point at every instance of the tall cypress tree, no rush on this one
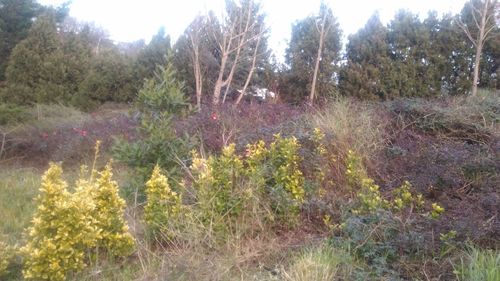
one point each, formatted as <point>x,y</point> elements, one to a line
<point>15,21</point>
<point>368,63</point>
<point>302,52</point>
<point>152,55</point>
<point>408,41</point>
<point>35,70</point>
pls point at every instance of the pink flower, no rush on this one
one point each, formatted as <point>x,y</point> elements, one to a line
<point>45,135</point>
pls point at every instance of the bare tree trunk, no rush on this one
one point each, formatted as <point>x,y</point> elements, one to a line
<point>318,59</point>
<point>227,49</point>
<point>197,68</point>
<point>485,25</point>
<point>250,73</point>
<point>229,78</point>
<point>476,70</point>
<point>220,82</point>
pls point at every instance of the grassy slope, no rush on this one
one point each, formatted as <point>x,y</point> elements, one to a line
<point>401,131</point>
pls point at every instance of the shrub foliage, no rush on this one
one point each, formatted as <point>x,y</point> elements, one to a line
<point>67,226</point>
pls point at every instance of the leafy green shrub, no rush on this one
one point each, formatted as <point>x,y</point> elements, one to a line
<point>12,114</point>
<point>216,191</point>
<point>379,230</point>
<point>478,265</point>
<point>268,179</point>
<point>159,101</point>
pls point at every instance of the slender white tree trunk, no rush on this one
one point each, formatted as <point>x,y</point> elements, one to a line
<point>318,59</point>
<point>250,73</point>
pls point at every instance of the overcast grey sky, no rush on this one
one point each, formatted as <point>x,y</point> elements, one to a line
<point>129,20</point>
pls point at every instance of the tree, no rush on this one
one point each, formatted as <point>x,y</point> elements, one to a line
<point>16,18</point>
<point>195,37</point>
<point>480,31</point>
<point>239,27</point>
<point>109,78</point>
<point>35,71</point>
<point>302,54</point>
<point>368,62</point>
<point>195,56</point>
<point>408,42</point>
<point>152,55</point>
<point>327,21</point>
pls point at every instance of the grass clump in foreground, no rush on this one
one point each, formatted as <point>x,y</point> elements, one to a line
<point>320,263</point>
<point>478,265</point>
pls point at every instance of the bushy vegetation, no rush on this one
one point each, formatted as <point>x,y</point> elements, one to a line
<point>353,189</point>
<point>161,99</point>
<point>241,200</point>
<point>68,226</point>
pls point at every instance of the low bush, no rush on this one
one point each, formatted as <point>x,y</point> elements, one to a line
<point>12,114</point>
<point>7,253</point>
<point>68,226</point>
<point>382,231</point>
<point>163,205</point>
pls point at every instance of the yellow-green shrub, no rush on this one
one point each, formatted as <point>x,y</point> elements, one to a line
<point>61,231</point>
<point>109,211</point>
<point>6,255</point>
<point>369,197</point>
<point>270,177</point>
<point>355,171</point>
<point>284,159</point>
<point>162,205</point>
<point>320,162</point>
<point>255,161</point>
<point>403,197</point>
<point>287,181</point>
<point>217,180</point>
<point>67,225</point>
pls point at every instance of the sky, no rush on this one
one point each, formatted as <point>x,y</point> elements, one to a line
<point>130,20</point>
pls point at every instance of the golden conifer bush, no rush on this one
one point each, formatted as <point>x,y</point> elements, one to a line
<point>68,226</point>
<point>6,254</point>
<point>61,231</point>
<point>163,204</point>
<point>109,211</point>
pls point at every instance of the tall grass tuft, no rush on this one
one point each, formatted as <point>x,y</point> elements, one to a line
<point>353,125</point>
<point>320,263</point>
<point>479,265</point>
